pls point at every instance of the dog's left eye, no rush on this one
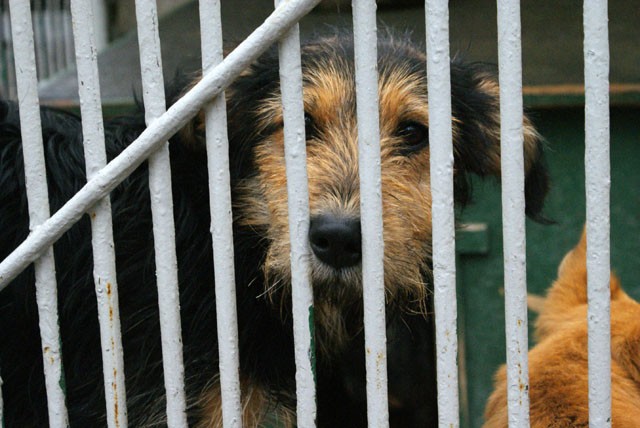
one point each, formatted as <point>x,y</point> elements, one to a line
<point>414,135</point>
<point>309,126</point>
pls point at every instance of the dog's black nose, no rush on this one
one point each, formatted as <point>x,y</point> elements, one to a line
<point>336,241</point>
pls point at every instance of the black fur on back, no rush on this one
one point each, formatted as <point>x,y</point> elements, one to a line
<point>21,360</point>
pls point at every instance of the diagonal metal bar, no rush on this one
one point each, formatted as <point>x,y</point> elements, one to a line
<point>211,85</point>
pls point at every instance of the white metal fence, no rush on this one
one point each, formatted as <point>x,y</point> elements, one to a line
<point>208,95</point>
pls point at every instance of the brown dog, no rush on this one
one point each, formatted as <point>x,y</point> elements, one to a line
<point>558,373</point>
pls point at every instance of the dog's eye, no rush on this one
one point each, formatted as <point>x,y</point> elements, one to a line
<point>309,126</point>
<point>414,136</point>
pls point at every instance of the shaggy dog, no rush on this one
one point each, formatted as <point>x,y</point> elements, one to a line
<point>261,245</point>
<point>558,367</point>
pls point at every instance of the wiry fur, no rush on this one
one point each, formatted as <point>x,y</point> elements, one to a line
<point>558,367</point>
<point>261,245</point>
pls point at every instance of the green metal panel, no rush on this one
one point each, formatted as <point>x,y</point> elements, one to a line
<point>480,275</point>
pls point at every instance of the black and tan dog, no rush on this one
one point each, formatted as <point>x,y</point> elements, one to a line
<point>261,245</point>
<point>558,364</point>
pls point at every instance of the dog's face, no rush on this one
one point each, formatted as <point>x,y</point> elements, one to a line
<point>256,131</point>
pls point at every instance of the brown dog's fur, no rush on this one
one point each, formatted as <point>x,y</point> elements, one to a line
<point>558,368</point>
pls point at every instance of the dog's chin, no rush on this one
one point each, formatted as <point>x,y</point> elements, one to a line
<point>336,286</point>
<point>338,308</point>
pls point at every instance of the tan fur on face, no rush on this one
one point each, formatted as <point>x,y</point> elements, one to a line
<point>558,372</point>
<point>332,166</point>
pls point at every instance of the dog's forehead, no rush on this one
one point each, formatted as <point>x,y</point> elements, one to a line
<point>330,83</point>
<point>328,73</point>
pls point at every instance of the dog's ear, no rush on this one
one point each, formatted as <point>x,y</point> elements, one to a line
<point>476,112</point>
<point>256,82</point>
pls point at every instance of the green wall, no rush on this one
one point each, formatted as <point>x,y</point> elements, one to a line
<point>480,278</point>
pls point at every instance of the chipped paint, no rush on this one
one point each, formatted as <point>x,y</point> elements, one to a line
<point>114,387</point>
<point>312,344</point>
<point>48,355</point>
<point>110,302</point>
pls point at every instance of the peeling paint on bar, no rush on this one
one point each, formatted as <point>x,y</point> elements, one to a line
<point>298,211</point>
<point>513,209</point>
<point>162,216</point>
<point>441,166</point>
<point>366,64</point>
<point>597,185</point>
<point>104,266</point>
<point>38,201</point>
<point>159,131</point>
<point>221,221</point>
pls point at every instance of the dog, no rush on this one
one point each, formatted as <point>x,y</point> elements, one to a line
<point>261,240</point>
<point>558,367</point>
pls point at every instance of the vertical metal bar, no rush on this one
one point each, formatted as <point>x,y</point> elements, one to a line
<point>221,221</point>
<point>104,266</point>
<point>298,211</point>
<point>162,213</point>
<point>598,183</point>
<point>38,200</point>
<point>366,54</point>
<point>513,208</point>
<point>441,167</point>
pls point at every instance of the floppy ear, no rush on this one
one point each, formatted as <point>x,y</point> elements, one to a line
<point>476,112</point>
